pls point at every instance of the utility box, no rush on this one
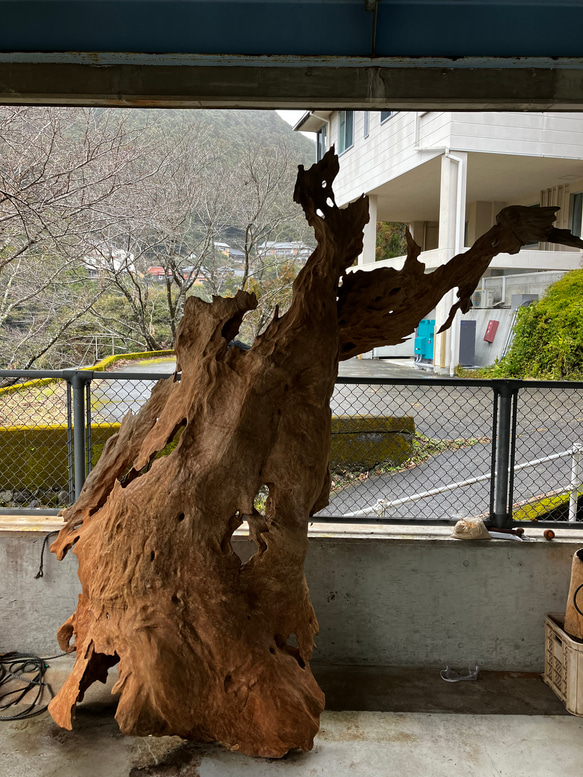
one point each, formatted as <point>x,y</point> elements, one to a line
<point>518,300</point>
<point>482,299</point>
<point>491,330</point>
<point>467,353</point>
<point>424,339</point>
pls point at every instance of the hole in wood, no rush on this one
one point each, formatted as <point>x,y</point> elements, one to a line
<point>290,646</point>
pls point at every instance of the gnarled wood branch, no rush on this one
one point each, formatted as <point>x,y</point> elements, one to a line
<point>383,306</point>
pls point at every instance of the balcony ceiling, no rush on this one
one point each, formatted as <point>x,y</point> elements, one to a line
<point>414,196</point>
<point>415,54</point>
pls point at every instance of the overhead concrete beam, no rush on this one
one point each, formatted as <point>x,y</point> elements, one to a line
<point>187,81</point>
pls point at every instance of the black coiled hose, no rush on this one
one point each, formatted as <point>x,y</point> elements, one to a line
<point>26,672</point>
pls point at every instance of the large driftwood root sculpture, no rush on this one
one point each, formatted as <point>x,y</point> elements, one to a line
<point>205,644</point>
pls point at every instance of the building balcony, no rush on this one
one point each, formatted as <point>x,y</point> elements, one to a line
<point>528,260</point>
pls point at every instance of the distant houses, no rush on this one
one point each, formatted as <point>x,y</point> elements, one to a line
<point>157,274</point>
<point>230,262</point>
<point>236,256</point>
<point>282,250</point>
<point>105,259</point>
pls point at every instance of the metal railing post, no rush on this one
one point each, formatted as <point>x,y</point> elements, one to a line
<point>493,456</point>
<point>70,460</point>
<point>575,481</point>
<point>88,440</point>
<point>502,517</point>
<point>79,431</point>
<point>512,463</point>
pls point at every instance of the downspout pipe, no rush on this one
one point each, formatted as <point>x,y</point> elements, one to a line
<point>460,207</point>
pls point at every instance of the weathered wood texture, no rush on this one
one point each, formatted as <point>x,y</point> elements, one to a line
<point>205,644</point>
<point>573,615</point>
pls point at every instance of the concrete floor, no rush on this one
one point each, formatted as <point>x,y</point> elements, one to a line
<point>349,743</point>
<point>537,738</point>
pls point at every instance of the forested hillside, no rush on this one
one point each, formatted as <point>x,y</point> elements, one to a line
<point>231,130</point>
<point>110,218</point>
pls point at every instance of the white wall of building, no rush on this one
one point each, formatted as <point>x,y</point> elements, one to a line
<point>557,135</point>
<point>395,146</point>
<point>386,153</point>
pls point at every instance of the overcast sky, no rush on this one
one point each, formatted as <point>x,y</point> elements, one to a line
<point>291,116</point>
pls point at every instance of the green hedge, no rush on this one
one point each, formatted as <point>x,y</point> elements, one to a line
<point>36,457</point>
<point>363,441</point>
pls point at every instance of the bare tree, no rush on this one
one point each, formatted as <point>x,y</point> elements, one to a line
<point>174,220</point>
<point>263,212</point>
<point>59,169</point>
<point>42,298</point>
<point>263,216</point>
<point>171,220</point>
<point>95,192</point>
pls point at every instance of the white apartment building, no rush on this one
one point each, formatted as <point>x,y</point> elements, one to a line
<point>448,174</point>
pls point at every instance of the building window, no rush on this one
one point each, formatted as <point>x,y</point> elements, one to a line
<point>321,142</point>
<point>366,124</point>
<point>576,214</point>
<point>387,115</point>
<point>345,130</point>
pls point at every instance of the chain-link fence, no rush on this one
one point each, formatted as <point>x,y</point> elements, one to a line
<point>53,426</point>
<point>548,435</point>
<point>425,449</point>
<point>36,441</point>
<point>446,440</point>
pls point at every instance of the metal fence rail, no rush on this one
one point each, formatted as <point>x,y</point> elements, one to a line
<point>415,450</point>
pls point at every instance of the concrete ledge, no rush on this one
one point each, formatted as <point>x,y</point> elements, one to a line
<point>30,523</point>
<point>390,596</point>
<point>41,522</point>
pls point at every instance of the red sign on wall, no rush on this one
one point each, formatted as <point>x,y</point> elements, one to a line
<point>491,331</point>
